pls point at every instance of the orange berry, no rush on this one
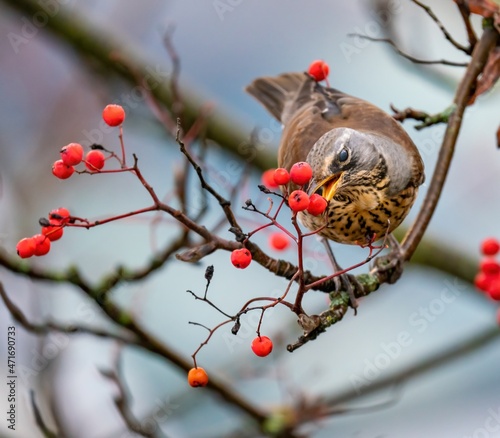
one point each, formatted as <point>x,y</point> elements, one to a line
<point>317,204</point>
<point>241,258</point>
<point>94,160</point>
<point>319,70</point>
<point>52,232</point>
<point>62,170</point>
<point>298,200</point>
<point>197,377</point>
<point>26,247</point>
<point>113,115</point>
<point>59,216</point>
<point>301,173</point>
<point>281,176</point>
<point>262,346</point>
<point>42,244</point>
<point>279,241</point>
<point>490,246</point>
<point>72,154</point>
<point>268,179</point>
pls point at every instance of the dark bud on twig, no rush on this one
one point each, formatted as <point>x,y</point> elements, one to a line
<point>97,147</point>
<point>44,222</point>
<point>236,327</point>
<point>209,272</point>
<point>264,189</point>
<point>240,235</point>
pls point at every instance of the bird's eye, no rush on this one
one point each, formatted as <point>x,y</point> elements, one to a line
<point>343,155</point>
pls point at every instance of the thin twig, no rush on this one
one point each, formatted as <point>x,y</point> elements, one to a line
<point>47,433</point>
<point>409,57</point>
<point>447,35</point>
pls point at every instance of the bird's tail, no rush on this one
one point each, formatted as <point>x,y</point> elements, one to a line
<point>281,95</point>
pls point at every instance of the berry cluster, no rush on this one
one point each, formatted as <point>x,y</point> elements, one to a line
<point>488,277</point>
<point>73,154</point>
<point>52,230</point>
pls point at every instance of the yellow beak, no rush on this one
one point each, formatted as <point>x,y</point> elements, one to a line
<point>329,186</point>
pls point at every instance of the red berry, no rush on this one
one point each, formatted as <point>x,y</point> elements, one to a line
<point>489,266</point>
<point>262,346</point>
<point>279,241</point>
<point>59,216</point>
<point>42,244</point>
<point>490,246</point>
<point>113,115</point>
<point>61,170</point>
<point>268,179</point>
<point>483,281</point>
<point>298,200</point>
<point>241,258</point>
<point>317,204</point>
<point>319,70</point>
<point>301,173</point>
<point>281,176</point>
<point>94,160</point>
<point>26,247</point>
<point>197,377</point>
<point>52,232</point>
<point>72,154</point>
<point>494,289</point>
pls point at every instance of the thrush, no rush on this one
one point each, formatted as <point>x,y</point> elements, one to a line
<point>363,161</point>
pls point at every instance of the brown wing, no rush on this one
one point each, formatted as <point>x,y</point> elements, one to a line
<point>309,110</point>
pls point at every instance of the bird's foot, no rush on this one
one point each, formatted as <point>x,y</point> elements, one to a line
<point>389,267</point>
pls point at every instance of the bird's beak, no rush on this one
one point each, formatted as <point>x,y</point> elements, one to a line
<point>329,186</point>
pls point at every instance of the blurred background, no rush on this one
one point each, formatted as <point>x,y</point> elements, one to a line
<point>51,95</point>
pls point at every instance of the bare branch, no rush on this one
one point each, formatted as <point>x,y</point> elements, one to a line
<point>447,35</point>
<point>409,57</point>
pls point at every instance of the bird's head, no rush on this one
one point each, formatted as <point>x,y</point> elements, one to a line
<point>340,160</point>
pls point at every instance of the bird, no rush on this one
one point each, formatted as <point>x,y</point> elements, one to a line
<point>363,161</point>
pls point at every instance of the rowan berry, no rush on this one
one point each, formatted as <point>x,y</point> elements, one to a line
<point>319,70</point>
<point>53,232</point>
<point>197,377</point>
<point>490,246</point>
<point>59,216</point>
<point>72,154</point>
<point>317,204</point>
<point>42,244</point>
<point>489,266</point>
<point>279,241</point>
<point>26,247</point>
<point>301,173</point>
<point>94,160</point>
<point>113,115</point>
<point>62,170</point>
<point>262,346</point>
<point>482,281</point>
<point>494,289</point>
<point>241,258</point>
<point>298,200</point>
<point>268,179</point>
<point>281,176</point>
